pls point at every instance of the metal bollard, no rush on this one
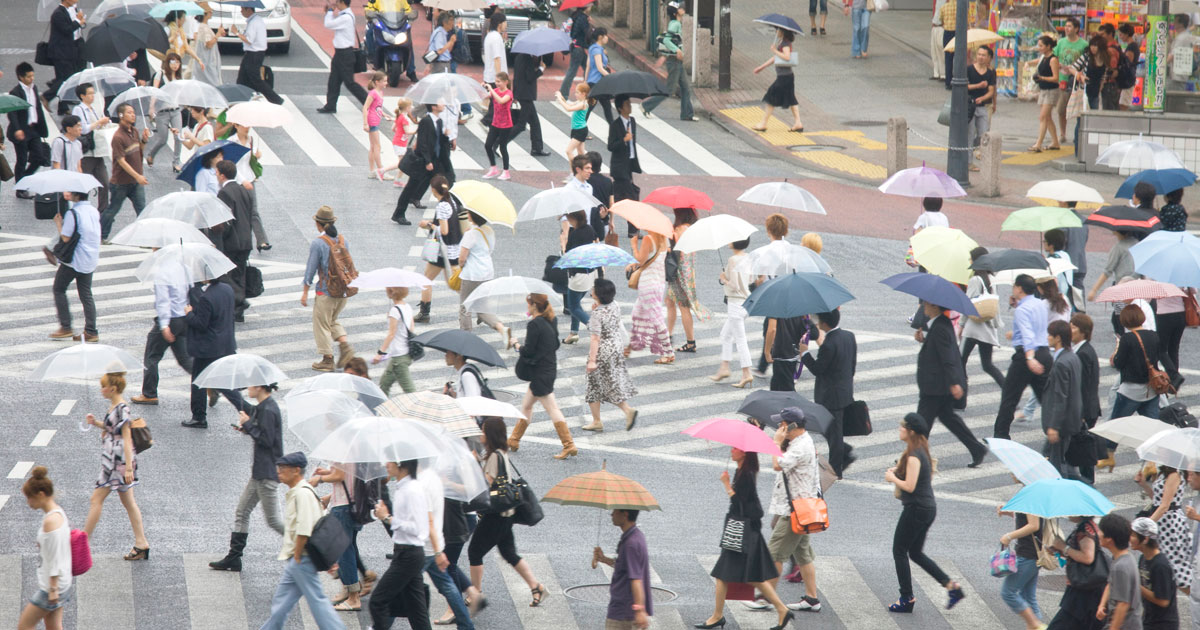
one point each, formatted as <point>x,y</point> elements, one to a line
<point>989,168</point>
<point>637,19</point>
<point>897,145</point>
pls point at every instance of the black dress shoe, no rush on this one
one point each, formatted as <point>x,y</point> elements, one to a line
<point>540,153</point>
<point>720,623</point>
<point>326,110</point>
<point>195,424</point>
<point>418,205</point>
<point>24,194</point>
<point>402,221</point>
<point>976,461</point>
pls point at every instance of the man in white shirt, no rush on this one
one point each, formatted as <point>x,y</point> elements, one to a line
<point>83,218</point>
<point>95,126</point>
<point>26,127</point>
<point>581,170</point>
<point>410,532</point>
<point>254,51</point>
<point>937,54</point>
<point>66,152</point>
<point>340,19</point>
<point>169,331</point>
<point>495,56</point>
<point>436,561</point>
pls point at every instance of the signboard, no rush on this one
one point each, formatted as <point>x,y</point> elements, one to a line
<point>1157,45</point>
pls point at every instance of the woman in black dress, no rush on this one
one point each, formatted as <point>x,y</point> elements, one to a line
<point>752,565</point>
<point>538,364</point>
<point>782,92</point>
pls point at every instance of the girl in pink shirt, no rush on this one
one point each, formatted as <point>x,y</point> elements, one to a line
<point>402,134</point>
<point>373,114</point>
<point>500,132</point>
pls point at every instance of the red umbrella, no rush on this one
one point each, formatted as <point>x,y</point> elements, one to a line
<point>574,4</point>
<point>679,197</point>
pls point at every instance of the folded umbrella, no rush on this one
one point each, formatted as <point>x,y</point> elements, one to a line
<point>1064,190</point>
<point>313,414</point>
<point>257,114</point>
<point>230,150</point>
<point>114,39</point>
<point>932,289</point>
<point>1138,155</point>
<point>594,256</point>
<point>349,385</point>
<point>777,258</point>
<point>602,489</point>
<point>714,232</point>
<point>1026,464</point>
<point>506,295</point>
<point>108,81</point>
<point>487,201</point>
<point>643,216</point>
<point>151,232</point>
<point>57,181</point>
<point>1125,219</point>
<point>1040,219</point>
<point>780,21</point>
<point>679,197</point>
<point>630,84</point>
<point>447,88</point>
<point>195,93</point>
<point>390,277</point>
<point>144,99</point>
<point>555,203</point>
<point>541,41</point>
<point>1177,448</point>
<point>1139,290</point>
<point>199,209</point>
<point>1010,259</point>
<point>434,408</point>
<point>85,361</point>
<point>1131,431</point>
<point>795,294</point>
<point>198,261</point>
<point>1164,181</point>
<point>783,195</point>
<point>1059,498</point>
<point>461,342</point>
<point>922,181</point>
<point>944,252</point>
<point>736,433</point>
<point>763,404</point>
<point>1172,257</point>
<point>237,371</point>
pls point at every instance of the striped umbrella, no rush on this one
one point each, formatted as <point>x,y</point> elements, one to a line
<point>603,490</point>
<point>433,408</point>
<point>1026,464</point>
<point>1139,290</point>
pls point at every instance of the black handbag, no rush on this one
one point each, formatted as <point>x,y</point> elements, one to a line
<point>41,54</point>
<point>524,369</point>
<point>254,282</point>
<point>554,276</point>
<point>856,420</point>
<point>1082,449</point>
<point>64,251</point>
<point>327,542</point>
<point>504,494</point>
<point>411,162</point>
<point>1092,576</point>
<point>529,509</point>
<point>39,153</point>
<point>87,142</point>
<point>416,350</point>
<point>360,55</point>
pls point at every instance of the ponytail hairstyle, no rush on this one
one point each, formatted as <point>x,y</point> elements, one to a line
<point>38,482</point>
<point>376,78</point>
<point>540,302</point>
<point>403,107</point>
<point>440,186</point>
<point>1050,293</point>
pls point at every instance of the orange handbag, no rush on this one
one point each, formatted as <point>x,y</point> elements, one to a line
<point>809,515</point>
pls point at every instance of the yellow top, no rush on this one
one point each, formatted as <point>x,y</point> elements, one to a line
<point>949,15</point>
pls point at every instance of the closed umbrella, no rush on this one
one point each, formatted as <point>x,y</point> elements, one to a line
<point>944,252</point>
<point>714,232</point>
<point>114,39</point>
<point>1040,219</point>
<point>230,150</point>
<point>1125,219</point>
<point>594,256</point>
<point>932,289</point>
<point>736,433</point>
<point>108,80</point>
<point>1172,257</point>
<point>795,294</point>
<point>257,114</point>
<point>467,344</point>
<point>1177,448</point>
<point>643,216</point>
<point>541,41</point>
<point>85,361</point>
<point>354,387</point>
<point>447,88</point>
<point>57,181</point>
<point>1131,431</point>
<point>487,201</point>
<point>199,209</point>
<point>629,83</point>
<point>556,202</point>
<point>390,277</point>
<point>312,415</point>
<point>1059,498</point>
<point>194,93</point>
<point>1138,155</point>
<point>783,195</point>
<point>922,181</point>
<point>1026,464</point>
<point>1064,190</point>
<point>679,197</point>
<point>373,441</point>
<point>1138,290</point>
<point>433,408</point>
<point>199,261</point>
<point>1164,181</point>
<point>158,233</point>
<point>1009,259</point>
<point>976,37</point>
<point>144,99</point>
<point>763,404</point>
<point>237,371</point>
<point>778,258</point>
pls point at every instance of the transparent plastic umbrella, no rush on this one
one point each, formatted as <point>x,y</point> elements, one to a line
<point>314,414</point>
<point>190,92</point>
<point>1177,448</point>
<point>1139,155</point>
<point>556,202</point>
<point>200,209</point>
<point>85,361</point>
<point>239,370</point>
<point>154,232</point>
<point>1131,431</point>
<point>390,277</point>
<point>781,257</point>
<point>112,8</point>
<point>349,385</point>
<point>199,261</point>
<point>144,99</point>
<point>506,295</point>
<point>714,232</point>
<point>446,87</point>
<point>783,195</point>
<point>462,478</point>
<point>375,440</point>
<point>108,81</point>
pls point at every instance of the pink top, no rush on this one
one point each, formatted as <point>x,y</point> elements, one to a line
<point>502,112</point>
<point>405,127</point>
<point>374,108</point>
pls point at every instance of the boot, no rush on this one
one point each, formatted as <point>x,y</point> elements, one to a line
<point>233,560</point>
<point>345,353</point>
<point>1107,462</point>
<point>514,440</point>
<point>564,434</point>
<point>422,316</point>
<point>325,364</point>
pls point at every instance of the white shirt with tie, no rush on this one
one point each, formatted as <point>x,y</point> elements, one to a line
<point>628,122</point>
<point>256,35</point>
<point>31,97</point>
<point>342,25</point>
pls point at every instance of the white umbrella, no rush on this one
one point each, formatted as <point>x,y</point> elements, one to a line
<point>375,440</point>
<point>113,8</point>
<point>200,262</point>
<point>783,195</point>
<point>507,294</point>
<point>85,361</point>
<point>355,387</point>
<point>237,371</point>
<point>200,209</point>
<point>1131,431</point>
<point>258,114</point>
<point>107,80</point>
<point>57,181</point>
<point>456,5</point>
<point>555,203</point>
<point>1177,448</point>
<point>144,99</point>
<point>714,232</point>
<point>1057,266</point>
<point>447,88</point>
<point>781,257</point>
<point>313,415</point>
<point>45,9</point>
<point>1064,190</point>
<point>483,406</point>
<point>1139,155</point>
<point>190,92</point>
<point>158,233</point>
<point>390,277</point>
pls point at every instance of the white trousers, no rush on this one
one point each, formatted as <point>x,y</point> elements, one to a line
<point>937,52</point>
<point>734,333</point>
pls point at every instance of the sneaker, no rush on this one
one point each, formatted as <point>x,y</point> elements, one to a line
<point>759,373</point>
<point>504,175</point>
<point>806,605</point>
<point>757,604</point>
<point>491,173</point>
<point>468,116</point>
<point>399,183</point>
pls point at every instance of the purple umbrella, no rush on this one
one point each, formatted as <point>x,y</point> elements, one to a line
<point>922,182</point>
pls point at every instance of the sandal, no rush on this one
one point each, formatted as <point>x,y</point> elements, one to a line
<point>539,595</point>
<point>799,129</point>
<point>446,621</point>
<point>627,351</point>
<point>1057,147</point>
<point>138,554</point>
<point>1035,149</point>
<point>759,128</point>
<point>664,360</point>
<point>690,346</point>
<point>341,597</point>
<point>345,607</point>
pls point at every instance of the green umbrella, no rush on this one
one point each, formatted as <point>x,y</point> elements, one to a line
<point>10,103</point>
<point>1041,219</point>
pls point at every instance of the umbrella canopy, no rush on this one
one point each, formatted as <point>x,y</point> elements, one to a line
<point>239,370</point>
<point>235,93</point>
<point>161,10</point>
<point>1131,431</point>
<point>445,87</point>
<point>144,99</point>
<point>112,8</point>
<point>480,406</point>
<point>1059,498</point>
<point>574,4</point>
<point>158,233</point>
<point>509,5</point>
<point>487,201</point>
<point>195,93</point>
<point>1172,257</point>
<point>780,257</point>
<point>1064,190</point>
<point>1125,219</point>
<point>780,21</point>
<point>763,404</point>
<point>944,252</point>
<point>116,37</point>
<point>714,232</point>
<point>783,195</point>
<point>976,37</point>
<point>1057,266</point>
<point>595,255</point>
<point>679,197</point>
<point>542,41</point>
<point>464,343</point>
<point>312,415</point>
<point>354,387</point>
<point>932,289</point>
<point>555,203</point>
<point>1010,259</point>
<point>434,408</point>
<point>57,181</point>
<point>1040,219</point>
<point>1177,448</point>
<point>10,103</point>
<point>374,440</point>
<point>456,5</point>
<point>629,83</point>
<point>108,80</point>
<point>390,277</point>
<point>1026,464</point>
<point>795,294</point>
<point>199,209</point>
<point>1164,181</point>
<point>1138,155</point>
<point>1138,290</point>
<point>258,114</point>
<point>85,361</point>
<point>506,295</point>
<point>603,490</point>
<point>462,478</point>
<point>643,216</point>
<point>199,262</point>
<point>229,149</point>
<point>736,433</point>
<point>922,181</point>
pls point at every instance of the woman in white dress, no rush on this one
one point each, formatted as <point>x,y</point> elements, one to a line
<point>206,66</point>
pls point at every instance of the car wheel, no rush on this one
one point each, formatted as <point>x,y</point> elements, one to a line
<point>282,48</point>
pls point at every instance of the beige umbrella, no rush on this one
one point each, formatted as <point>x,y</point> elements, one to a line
<point>976,37</point>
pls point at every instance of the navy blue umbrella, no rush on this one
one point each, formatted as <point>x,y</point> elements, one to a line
<point>781,21</point>
<point>1164,180</point>
<point>232,151</point>
<point>796,294</point>
<point>932,289</point>
<point>541,41</point>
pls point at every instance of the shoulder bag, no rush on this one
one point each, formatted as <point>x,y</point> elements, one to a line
<point>327,542</point>
<point>6,172</point>
<point>139,432</point>
<point>1092,576</point>
<point>529,510</point>
<point>416,350</point>
<point>1159,381</point>
<point>64,251</point>
<point>503,494</point>
<point>809,515</point>
<point>1191,314</point>
<point>635,275</point>
<point>360,55</point>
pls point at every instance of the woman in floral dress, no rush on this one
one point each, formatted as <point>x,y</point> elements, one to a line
<point>118,468</point>
<point>607,379</point>
<point>649,316</point>
<point>681,292</point>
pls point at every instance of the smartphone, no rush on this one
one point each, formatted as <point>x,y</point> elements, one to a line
<point>236,426</point>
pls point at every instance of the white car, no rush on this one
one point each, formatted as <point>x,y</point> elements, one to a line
<point>277,16</point>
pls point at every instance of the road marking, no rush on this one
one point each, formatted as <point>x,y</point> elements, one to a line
<point>665,617</point>
<point>284,69</point>
<point>105,598</point>
<point>43,437</point>
<point>349,114</point>
<point>215,599</point>
<point>844,589</point>
<point>64,407</point>
<point>972,612</point>
<point>322,56</point>
<point>519,159</point>
<point>554,612</point>
<point>19,470</point>
<point>650,164</point>
<point>314,145</point>
<point>688,148</point>
<point>10,580</point>
<point>553,138</point>
<point>3,500</point>
<point>269,158</point>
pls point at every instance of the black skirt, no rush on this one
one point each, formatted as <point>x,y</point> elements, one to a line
<point>782,92</point>
<point>752,565</point>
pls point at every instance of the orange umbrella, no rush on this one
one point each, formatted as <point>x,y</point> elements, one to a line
<point>644,217</point>
<point>604,490</point>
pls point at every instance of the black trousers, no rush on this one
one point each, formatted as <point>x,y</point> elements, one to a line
<point>947,37</point>
<point>401,580</point>
<point>21,166</point>
<point>156,349</point>
<point>985,359</point>
<point>236,278</point>
<point>83,287</point>
<point>493,531</point>
<point>414,189</point>
<point>1015,381</point>
<point>1170,334</point>
<point>529,118</point>
<point>200,396</point>
<point>837,444</point>
<point>63,68</point>
<point>782,376</point>
<point>341,72</point>
<point>908,542</point>
<point>250,75</point>
<point>942,408</point>
<point>95,167</point>
<point>625,189</point>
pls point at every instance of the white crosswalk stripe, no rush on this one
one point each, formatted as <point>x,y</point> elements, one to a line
<point>313,144</point>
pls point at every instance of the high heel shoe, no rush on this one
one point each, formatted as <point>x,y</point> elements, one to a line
<point>903,605</point>
<point>744,382</point>
<point>956,595</point>
<point>787,619</point>
<point>138,554</point>
<point>719,376</point>
<point>720,623</point>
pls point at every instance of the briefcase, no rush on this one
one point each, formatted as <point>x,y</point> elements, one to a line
<point>46,207</point>
<point>268,76</point>
<point>856,420</point>
<point>254,282</point>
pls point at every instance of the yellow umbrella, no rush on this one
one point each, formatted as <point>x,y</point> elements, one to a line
<point>976,37</point>
<point>944,252</point>
<point>487,201</point>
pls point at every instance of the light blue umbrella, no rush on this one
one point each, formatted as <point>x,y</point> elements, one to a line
<point>161,10</point>
<point>541,41</point>
<point>594,256</point>
<point>1059,498</point>
<point>1171,257</point>
<point>1026,464</point>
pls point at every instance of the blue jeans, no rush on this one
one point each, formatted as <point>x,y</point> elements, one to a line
<point>860,32</point>
<point>445,585</point>
<point>578,61</point>
<point>136,194</point>
<point>301,579</point>
<point>812,7</point>
<point>1125,406</point>
<point>348,563</point>
<point>1019,590</point>
<point>575,308</point>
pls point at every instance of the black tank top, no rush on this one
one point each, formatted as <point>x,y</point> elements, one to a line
<point>1044,70</point>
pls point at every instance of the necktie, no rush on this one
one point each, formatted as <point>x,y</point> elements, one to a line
<point>437,145</point>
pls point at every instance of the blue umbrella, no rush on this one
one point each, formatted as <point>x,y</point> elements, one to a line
<point>781,21</point>
<point>593,256</point>
<point>252,4</point>
<point>1026,464</point>
<point>232,151</point>
<point>796,294</point>
<point>1171,257</point>
<point>932,289</point>
<point>1164,180</point>
<point>161,10</point>
<point>541,41</point>
<point>1059,498</point>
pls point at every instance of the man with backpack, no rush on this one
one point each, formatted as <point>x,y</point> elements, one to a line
<point>330,263</point>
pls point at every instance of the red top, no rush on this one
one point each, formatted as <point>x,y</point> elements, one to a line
<point>501,112</point>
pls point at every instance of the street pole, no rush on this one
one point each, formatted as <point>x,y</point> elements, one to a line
<point>695,33</point>
<point>724,76</point>
<point>957,155</point>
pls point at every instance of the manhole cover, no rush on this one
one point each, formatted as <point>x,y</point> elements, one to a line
<point>598,593</point>
<point>815,147</point>
<point>15,51</point>
<point>865,123</point>
<point>504,395</point>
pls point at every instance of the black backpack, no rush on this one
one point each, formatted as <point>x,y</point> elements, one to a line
<point>581,31</point>
<point>462,50</point>
<point>1177,414</point>
<point>1126,71</point>
<point>484,390</point>
<point>366,495</point>
<point>671,266</point>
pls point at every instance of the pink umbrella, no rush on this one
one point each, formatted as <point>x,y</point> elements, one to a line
<point>1139,290</point>
<point>922,182</point>
<point>736,433</point>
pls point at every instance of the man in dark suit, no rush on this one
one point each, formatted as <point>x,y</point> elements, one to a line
<point>941,380</point>
<point>1081,345</point>
<point>26,127</point>
<point>209,337</point>
<point>427,156</point>
<point>528,68</point>
<point>66,38</point>
<point>622,142</point>
<point>1062,398</point>
<point>237,237</point>
<point>833,368</point>
<point>602,189</point>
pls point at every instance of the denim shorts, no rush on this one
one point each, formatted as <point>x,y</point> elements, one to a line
<point>41,599</point>
<point>373,128</point>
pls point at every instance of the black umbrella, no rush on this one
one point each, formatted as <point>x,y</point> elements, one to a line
<point>235,93</point>
<point>1010,259</point>
<point>115,38</point>
<point>763,404</point>
<point>461,342</point>
<point>629,83</point>
<point>1125,219</point>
